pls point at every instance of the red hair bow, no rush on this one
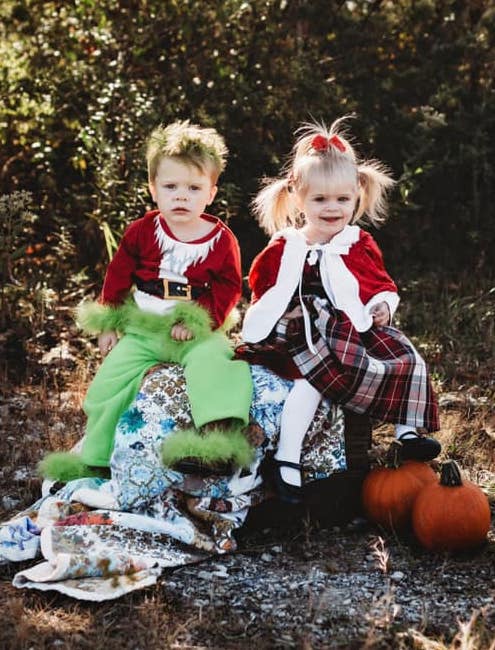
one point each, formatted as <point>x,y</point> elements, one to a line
<point>321,143</point>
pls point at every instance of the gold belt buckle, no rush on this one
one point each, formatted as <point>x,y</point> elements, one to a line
<point>167,295</point>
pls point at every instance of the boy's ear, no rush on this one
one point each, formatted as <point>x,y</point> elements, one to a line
<point>151,186</point>
<point>213,193</point>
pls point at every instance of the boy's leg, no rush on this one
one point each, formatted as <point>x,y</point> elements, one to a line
<point>112,390</point>
<point>218,387</point>
<point>298,412</point>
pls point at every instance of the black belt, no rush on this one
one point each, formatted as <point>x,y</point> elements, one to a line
<point>168,290</point>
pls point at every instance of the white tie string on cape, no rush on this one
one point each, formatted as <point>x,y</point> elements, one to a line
<point>315,252</point>
<point>328,256</point>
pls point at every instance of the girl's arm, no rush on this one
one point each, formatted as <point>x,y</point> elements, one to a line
<point>365,260</point>
<point>264,269</point>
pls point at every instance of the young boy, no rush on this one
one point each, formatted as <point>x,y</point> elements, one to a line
<point>185,265</point>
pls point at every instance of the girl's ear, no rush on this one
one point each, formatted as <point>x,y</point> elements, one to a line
<point>297,198</point>
<point>213,193</point>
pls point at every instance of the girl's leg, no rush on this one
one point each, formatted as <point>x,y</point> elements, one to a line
<point>404,431</point>
<point>416,446</point>
<point>297,415</point>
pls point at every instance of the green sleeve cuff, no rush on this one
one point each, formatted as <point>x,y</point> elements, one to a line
<point>94,318</point>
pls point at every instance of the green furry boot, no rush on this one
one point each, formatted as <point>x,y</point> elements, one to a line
<point>65,466</point>
<point>215,451</point>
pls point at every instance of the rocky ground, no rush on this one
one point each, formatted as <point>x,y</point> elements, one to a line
<point>343,587</point>
<point>299,584</point>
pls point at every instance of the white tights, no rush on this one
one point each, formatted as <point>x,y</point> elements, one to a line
<point>297,415</point>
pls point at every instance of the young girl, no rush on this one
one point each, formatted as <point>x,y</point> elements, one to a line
<point>322,302</point>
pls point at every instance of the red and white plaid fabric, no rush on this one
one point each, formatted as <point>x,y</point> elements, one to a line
<point>378,372</point>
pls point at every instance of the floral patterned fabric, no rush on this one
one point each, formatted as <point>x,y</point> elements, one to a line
<point>103,538</point>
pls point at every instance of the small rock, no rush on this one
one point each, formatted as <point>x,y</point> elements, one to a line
<point>397,576</point>
<point>204,575</point>
<point>9,502</point>
<point>266,557</point>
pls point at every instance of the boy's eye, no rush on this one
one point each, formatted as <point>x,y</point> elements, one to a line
<point>169,186</point>
<point>344,199</point>
<point>195,188</point>
<point>319,198</point>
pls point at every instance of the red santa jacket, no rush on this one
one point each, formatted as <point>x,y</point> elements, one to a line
<point>149,251</point>
<point>352,271</point>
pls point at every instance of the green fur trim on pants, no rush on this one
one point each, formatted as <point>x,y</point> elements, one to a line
<point>65,466</point>
<point>216,445</point>
<point>95,318</point>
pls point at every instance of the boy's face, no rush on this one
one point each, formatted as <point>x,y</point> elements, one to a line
<point>181,192</point>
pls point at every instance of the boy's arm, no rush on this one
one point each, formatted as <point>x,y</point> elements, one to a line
<point>102,317</point>
<point>225,282</point>
<point>120,272</point>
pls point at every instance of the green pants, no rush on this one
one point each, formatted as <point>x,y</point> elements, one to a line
<point>218,387</point>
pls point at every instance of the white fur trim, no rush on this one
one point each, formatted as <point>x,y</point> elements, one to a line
<point>391,298</point>
<point>177,256</point>
<point>339,283</point>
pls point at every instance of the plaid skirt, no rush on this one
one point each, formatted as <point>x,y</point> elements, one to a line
<point>378,372</point>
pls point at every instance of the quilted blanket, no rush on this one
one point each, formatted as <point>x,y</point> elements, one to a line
<point>99,539</point>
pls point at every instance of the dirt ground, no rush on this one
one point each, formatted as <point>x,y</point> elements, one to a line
<point>301,583</point>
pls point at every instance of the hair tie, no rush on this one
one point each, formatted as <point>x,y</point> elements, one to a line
<point>321,143</point>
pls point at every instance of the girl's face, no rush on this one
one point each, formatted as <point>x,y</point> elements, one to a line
<point>328,206</point>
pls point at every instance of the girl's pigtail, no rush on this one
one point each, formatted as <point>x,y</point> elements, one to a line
<point>374,183</point>
<point>273,206</point>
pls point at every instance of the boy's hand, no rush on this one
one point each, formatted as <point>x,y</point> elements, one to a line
<point>180,332</point>
<point>380,314</point>
<point>107,341</point>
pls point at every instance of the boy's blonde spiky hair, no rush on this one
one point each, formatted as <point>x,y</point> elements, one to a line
<point>202,147</point>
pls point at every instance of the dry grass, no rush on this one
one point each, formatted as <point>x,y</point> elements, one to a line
<point>44,413</point>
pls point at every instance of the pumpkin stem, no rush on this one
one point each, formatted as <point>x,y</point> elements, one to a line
<point>451,474</point>
<point>394,454</point>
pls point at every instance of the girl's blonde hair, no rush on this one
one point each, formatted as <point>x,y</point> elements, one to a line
<point>326,152</point>
<point>192,144</point>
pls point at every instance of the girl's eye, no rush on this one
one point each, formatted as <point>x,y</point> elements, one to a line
<point>195,188</point>
<point>169,186</point>
<point>319,199</point>
<point>344,199</point>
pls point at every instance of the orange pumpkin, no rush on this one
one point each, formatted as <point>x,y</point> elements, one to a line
<point>451,515</point>
<point>389,492</point>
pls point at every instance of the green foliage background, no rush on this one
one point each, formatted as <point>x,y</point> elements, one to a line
<point>82,83</point>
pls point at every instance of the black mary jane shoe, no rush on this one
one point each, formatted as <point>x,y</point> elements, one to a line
<point>419,447</point>
<point>191,465</point>
<point>286,492</point>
